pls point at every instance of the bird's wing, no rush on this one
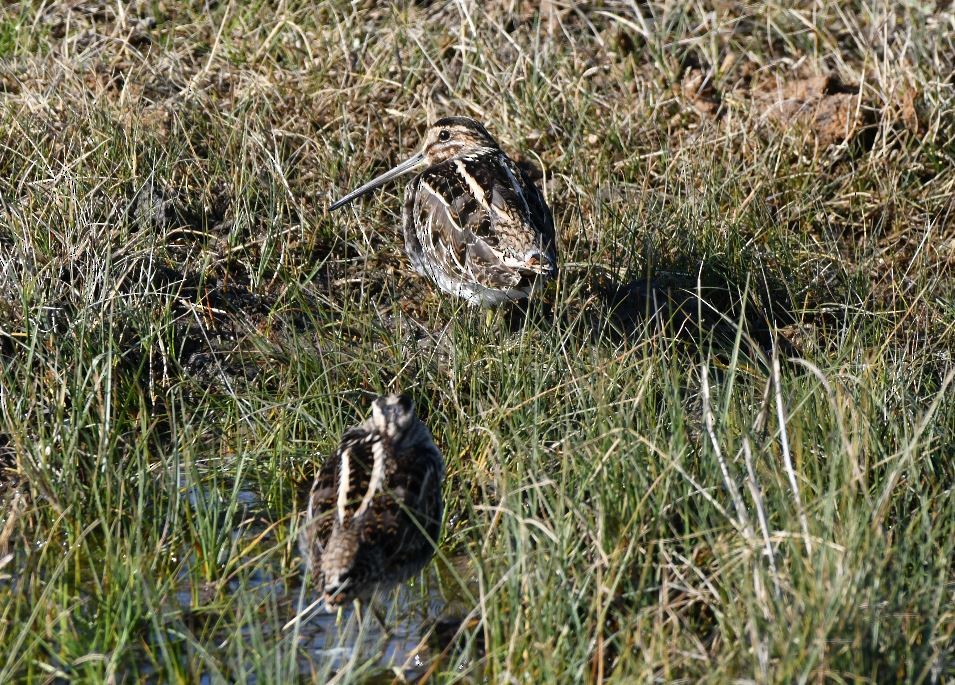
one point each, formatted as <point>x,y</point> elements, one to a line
<point>540,214</point>
<point>352,460</point>
<point>472,219</point>
<point>404,519</point>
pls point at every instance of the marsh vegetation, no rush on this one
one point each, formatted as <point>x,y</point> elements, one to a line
<point>719,448</point>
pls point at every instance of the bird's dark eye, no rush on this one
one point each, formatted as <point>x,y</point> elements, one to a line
<point>444,135</point>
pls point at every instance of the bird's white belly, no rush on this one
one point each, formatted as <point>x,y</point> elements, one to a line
<point>475,294</point>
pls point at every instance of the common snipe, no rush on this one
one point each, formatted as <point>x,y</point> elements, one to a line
<point>374,512</point>
<point>474,222</point>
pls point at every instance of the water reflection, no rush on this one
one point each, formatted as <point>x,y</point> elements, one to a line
<point>417,624</point>
<point>256,603</point>
<point>250,610</point>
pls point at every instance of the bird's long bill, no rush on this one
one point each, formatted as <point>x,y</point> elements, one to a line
<point>406,166</point>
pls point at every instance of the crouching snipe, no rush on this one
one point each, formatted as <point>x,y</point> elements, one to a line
<point>374,512</point>
<point>474,223</point>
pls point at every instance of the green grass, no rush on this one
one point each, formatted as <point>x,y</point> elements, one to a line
<point>185,333</point>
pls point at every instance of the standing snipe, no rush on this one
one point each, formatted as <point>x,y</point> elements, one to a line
<point>374,512</point>
<point>474,223</point>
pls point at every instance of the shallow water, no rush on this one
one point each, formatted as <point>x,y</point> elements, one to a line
<point>418,623</point>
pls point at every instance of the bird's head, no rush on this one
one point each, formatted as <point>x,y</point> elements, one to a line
<point>393,415</point>
<point>446,138</point>
<point>455,136</point>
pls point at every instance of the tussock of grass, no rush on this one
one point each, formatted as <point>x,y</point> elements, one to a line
<point>720,448</point>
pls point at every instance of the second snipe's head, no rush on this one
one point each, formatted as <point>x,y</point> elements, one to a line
<point>393,416</point>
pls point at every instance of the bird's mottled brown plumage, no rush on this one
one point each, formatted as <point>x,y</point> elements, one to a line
<point>473,222</point>
<point>374,512</point>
